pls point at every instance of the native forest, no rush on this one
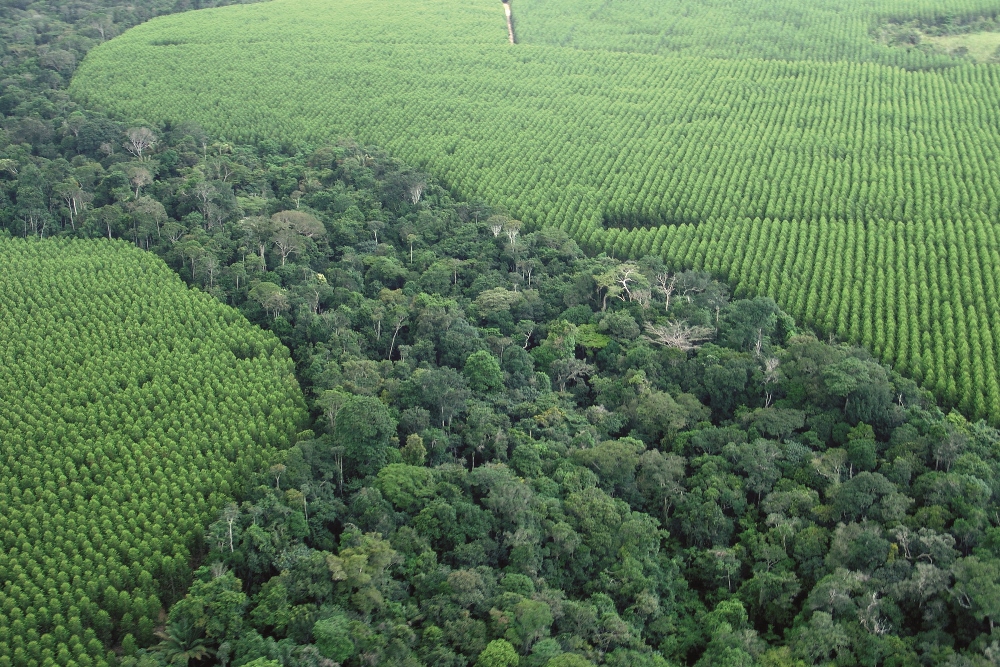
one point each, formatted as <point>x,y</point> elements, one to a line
<point>469,333</point>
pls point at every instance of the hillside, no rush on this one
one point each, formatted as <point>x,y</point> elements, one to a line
<point>131,409</point>
<point>879,156</point>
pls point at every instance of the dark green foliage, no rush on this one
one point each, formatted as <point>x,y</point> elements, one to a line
<point>333,638</point>
<point>724,503</point>
<point>363,428</point>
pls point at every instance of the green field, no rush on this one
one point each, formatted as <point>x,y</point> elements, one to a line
<point>853,181</point>
<point>131,408</point>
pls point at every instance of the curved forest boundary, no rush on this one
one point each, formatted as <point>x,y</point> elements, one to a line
<point>885,172</point>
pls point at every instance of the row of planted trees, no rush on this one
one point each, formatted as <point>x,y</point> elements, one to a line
<point>127,420</point>
<point>785,30</point>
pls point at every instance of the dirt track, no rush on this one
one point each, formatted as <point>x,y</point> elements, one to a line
<point>510,21</point>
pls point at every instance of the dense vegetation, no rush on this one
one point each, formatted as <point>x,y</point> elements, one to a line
<point>710,163</point>
<point>131,408</point>
<point>512,455</point>
<point>519,455</point>
<point>543,417</point>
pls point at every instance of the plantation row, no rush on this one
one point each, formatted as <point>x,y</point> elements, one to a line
<point>130,409</point>
<point>591,140</point>
<point>559,135</point>
<point>774,29</point>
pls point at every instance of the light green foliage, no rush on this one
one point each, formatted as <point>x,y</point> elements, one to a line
<point>981,46</point>
<point>499,653</point>
<point>413,452</point>
<point>589,338</point>
<point>406,486</point>
<point>848,179</point>
<point>483,372</point>
<point>569,660</point>
<point>130,408</point>
<point>262,662</point>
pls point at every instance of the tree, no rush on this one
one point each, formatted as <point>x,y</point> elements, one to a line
<point>271,298</point>
<point>570,369</point>
<point>443,389</point>
<point>140,178</point>
<point>679,335</point>
<point>560,343</point>
<point>776,422</point>
<point>483,372</point>
<point>414,453</point>
<point>822,640</point>
<point>512,228</point>
<point>496,300</point>
<point>569,660</point>
<point>498,653</point>
<point>139,141</point>
<point>532,620</point>
<point>949,446</point>
<point>415,190</point>
<point>74,196</point>
<point>630,280</point>
<point>977,587</point>
<point>262,662</point>
<point>733,643</point>
<point>181,643</point>
<point>659,416</point>
<point>258,231</point>
<point>496,224</point>
<point>666,283</point>
<point>333,637</point>
<point>758,461</point>
<point>332,400</point>
<point>150,215</point>
<point>363,428</point>
<point>411,239</point>
<point>749,324</point>
<point>215,605</point>
<point>614,462</point>
<point>361,569</point>
<point>287,241</point>
<point>661,479</point>
<point>301,222</point>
